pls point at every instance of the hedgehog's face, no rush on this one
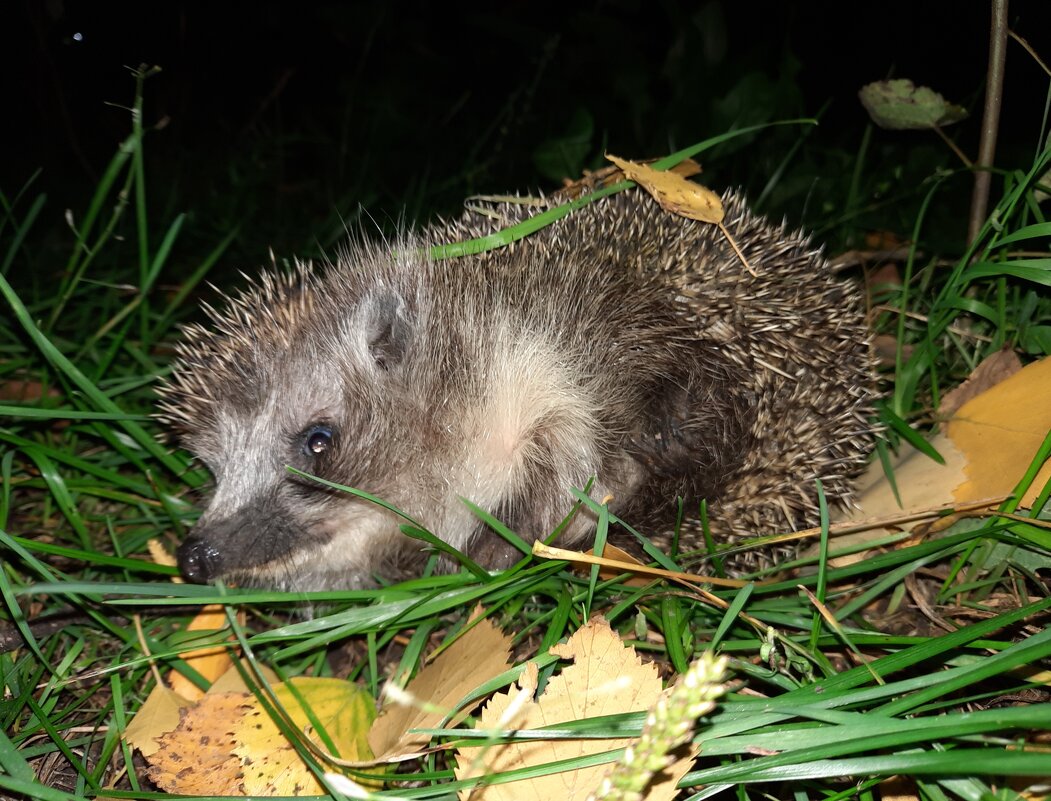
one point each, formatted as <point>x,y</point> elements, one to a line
<point>321,402</point>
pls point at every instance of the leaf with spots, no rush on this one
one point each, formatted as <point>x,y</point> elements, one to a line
<point>158,715</point>
<point>271,763</point>
<point>197,757</point>
<point>228,744</point>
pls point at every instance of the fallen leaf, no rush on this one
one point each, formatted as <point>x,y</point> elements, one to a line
<point>227,744</point>
<point>673,192</point>
<point>232,681</point>
<point>884,240</point>
<point>606,678</point>
<point>922,482</point>
<point>886,275</point>
<point>989,372</point>
<point>197,757</point>
<point>158,715</point>
<point>211,661</point>
<point>26,391</point>
<point>607,176</point>
<point>987,445</point>
<point>271,765</point>
<point>608,573</point>
<point>162,556</point>
<point>885,348</point>
<point>476,657</point>
<point>898,788</point>
<point>1000,431</point>
<point>665,749</point>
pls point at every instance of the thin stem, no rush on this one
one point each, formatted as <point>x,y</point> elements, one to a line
<point>953,146</point>
<point>990,117</point>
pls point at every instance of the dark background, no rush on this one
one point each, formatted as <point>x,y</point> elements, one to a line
<point>294,119</point>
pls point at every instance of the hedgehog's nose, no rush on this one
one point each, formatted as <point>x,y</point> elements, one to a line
<point>199,561</point>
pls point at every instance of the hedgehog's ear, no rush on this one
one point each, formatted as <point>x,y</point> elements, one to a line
<point>387,327</point>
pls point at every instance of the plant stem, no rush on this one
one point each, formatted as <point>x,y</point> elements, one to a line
<point>994,87</point>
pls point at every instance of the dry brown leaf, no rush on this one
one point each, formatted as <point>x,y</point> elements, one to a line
<point>673,192</point>
<point>473,659</point>
<point>883,276</point>
<point>607,573</point>
<point>158,715</point>
<point>991,371</point>
<point>231,729</point>
<point>606,678</point>
<point>898,788</point>
<point>607,176</point>
<point>197,758</point>
<point>270,763</point>
<point>26,391</point>
<point>885,348</point>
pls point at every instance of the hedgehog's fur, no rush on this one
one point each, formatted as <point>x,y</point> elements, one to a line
<point>620,344</point>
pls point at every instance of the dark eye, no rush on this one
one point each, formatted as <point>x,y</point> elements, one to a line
<point>317,441</point>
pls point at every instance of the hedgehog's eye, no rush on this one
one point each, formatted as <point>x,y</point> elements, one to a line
<point>318,440</point>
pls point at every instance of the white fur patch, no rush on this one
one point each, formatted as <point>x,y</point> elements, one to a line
<point>528,395</point>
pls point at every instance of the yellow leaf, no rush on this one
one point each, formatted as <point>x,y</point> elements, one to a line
<point>233,682</point>
<point>898,788</point>
<point>270,763</point>
<point>987,445</point>
<point>161,712</point>
<point>211,661</point>
<point>673,192</point>
<point>607,176</point>
<point>228,745</point>
<point>1000,431</point>
<point>157,716</point>
<point>161,555</point>
<point>606,678</point>
<point>480,654</point>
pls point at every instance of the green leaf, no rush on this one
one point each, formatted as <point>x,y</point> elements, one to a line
<point>900,105</point>
<point>1036,270</point>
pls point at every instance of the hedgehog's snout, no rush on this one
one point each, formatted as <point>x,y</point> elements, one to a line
<point>199,560</point>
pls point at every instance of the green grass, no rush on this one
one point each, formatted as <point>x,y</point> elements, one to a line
<point>86,480</point>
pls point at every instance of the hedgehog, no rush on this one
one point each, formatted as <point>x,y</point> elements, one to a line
<point>621,349</point>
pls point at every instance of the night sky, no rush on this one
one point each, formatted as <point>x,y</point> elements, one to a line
<point>287,116</point>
